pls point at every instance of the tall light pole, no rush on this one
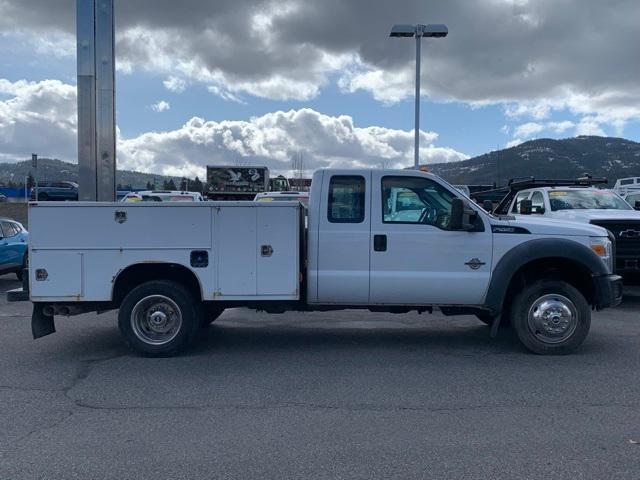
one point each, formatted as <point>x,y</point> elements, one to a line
<point>418,31</point>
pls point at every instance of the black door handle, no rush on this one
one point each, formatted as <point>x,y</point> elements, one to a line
<point>380,243</point>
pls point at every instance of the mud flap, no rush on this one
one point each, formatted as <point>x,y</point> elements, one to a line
<point>494,325</point>
<point>41,324</point>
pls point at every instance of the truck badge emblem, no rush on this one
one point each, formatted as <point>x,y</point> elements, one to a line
<point>475,263</point>
<point>629,233</point>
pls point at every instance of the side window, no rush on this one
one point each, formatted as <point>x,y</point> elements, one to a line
<point>8,230</point>
<point>632,199</point>
<point>516,205</point>
<point>415,200</point>
<point>346,199</point>
<point>537,202</point>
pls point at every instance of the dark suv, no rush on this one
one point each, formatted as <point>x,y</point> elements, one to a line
<point>55,191</point>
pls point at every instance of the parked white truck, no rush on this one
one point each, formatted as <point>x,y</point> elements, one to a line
<point>382,240</point>
<point>582,203</point>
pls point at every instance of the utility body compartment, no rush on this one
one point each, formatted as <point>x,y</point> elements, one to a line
<point>236,250</point>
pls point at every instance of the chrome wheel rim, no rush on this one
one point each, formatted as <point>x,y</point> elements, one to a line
<point>156,320</point>
<point>552,318</point>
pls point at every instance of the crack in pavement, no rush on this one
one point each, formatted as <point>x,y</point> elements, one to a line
<point>346,407</point>
<point>51,426</point>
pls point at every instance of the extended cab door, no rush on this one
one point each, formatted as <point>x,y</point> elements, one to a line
<point>343,237</point>
<point>415,259</point>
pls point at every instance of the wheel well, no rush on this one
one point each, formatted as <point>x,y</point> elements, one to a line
<point>135,275</point>
<point>552,268</point>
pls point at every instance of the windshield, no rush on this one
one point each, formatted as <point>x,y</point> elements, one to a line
<point>586,199</point>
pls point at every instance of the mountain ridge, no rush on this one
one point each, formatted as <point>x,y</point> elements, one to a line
<point>610,157</point>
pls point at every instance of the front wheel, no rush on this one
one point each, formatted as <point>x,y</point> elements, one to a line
<point>159,318</point>
<point>551,317</point>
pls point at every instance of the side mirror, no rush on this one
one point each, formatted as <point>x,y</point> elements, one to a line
<point>487,205</point>
<point>637,205</point>
<point>462,218</point>
<point>525,207</point>
<point>539,210</point>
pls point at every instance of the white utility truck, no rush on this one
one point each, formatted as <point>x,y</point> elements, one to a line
<point>382,240</point>
<point>580,201</point>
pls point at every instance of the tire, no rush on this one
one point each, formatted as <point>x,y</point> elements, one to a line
<point>25,264</point>
<point>551,317</point>
<point>159,318</point>
<point>43,197</point>
<point>209,315</point>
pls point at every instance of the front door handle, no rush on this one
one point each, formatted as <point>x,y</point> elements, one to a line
<point>380,243</point>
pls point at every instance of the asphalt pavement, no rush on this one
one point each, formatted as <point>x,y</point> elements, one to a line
<point>318,395</point>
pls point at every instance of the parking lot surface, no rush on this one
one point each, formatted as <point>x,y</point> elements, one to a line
<point>318,395</point>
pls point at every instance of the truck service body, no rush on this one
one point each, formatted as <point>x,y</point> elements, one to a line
<point>376,239</point>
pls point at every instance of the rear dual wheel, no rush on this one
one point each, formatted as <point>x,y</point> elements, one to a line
<point>159,318</point>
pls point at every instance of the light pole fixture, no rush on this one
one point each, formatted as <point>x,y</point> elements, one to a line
<point>418,31</point>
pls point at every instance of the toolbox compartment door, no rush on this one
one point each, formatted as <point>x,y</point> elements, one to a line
<point>55,273</point>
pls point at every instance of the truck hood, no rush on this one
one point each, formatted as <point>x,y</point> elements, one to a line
<point>587,215</point>
<point>551,226</point>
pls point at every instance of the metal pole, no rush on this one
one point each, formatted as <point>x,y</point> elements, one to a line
<point>416,147</point>
<point>105,102</point>
<point>96,100</point>
<point>86,37</point>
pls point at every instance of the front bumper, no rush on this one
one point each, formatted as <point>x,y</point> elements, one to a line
<point>608,290</point>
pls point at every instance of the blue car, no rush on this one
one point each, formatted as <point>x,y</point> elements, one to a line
<point>14,240</point>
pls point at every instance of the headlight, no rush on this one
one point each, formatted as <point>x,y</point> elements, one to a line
<point>602,247</point>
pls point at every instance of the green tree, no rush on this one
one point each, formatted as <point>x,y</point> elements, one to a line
<point>31,182</point>
<point>150,186</point>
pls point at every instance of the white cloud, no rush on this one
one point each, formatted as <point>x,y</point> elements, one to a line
<point>535,110</point>
<point>541,57</point>
<point>161,106</point>
<point>175,84</point>
<point>560,127</point>
<point>40,117</point>
<point>37,117</point>
<point>528,129</point>
<point>272,140</point>
<point>589,126</point>
<point>514,143</point>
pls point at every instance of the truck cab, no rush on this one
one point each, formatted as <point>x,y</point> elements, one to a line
<point>384,237</point>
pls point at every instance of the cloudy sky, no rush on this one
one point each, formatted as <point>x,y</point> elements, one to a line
<point>202,82</point>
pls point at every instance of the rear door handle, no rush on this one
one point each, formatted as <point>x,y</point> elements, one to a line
<point>380,243</point>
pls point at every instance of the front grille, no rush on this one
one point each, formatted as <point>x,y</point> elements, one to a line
<point>627,235</point>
